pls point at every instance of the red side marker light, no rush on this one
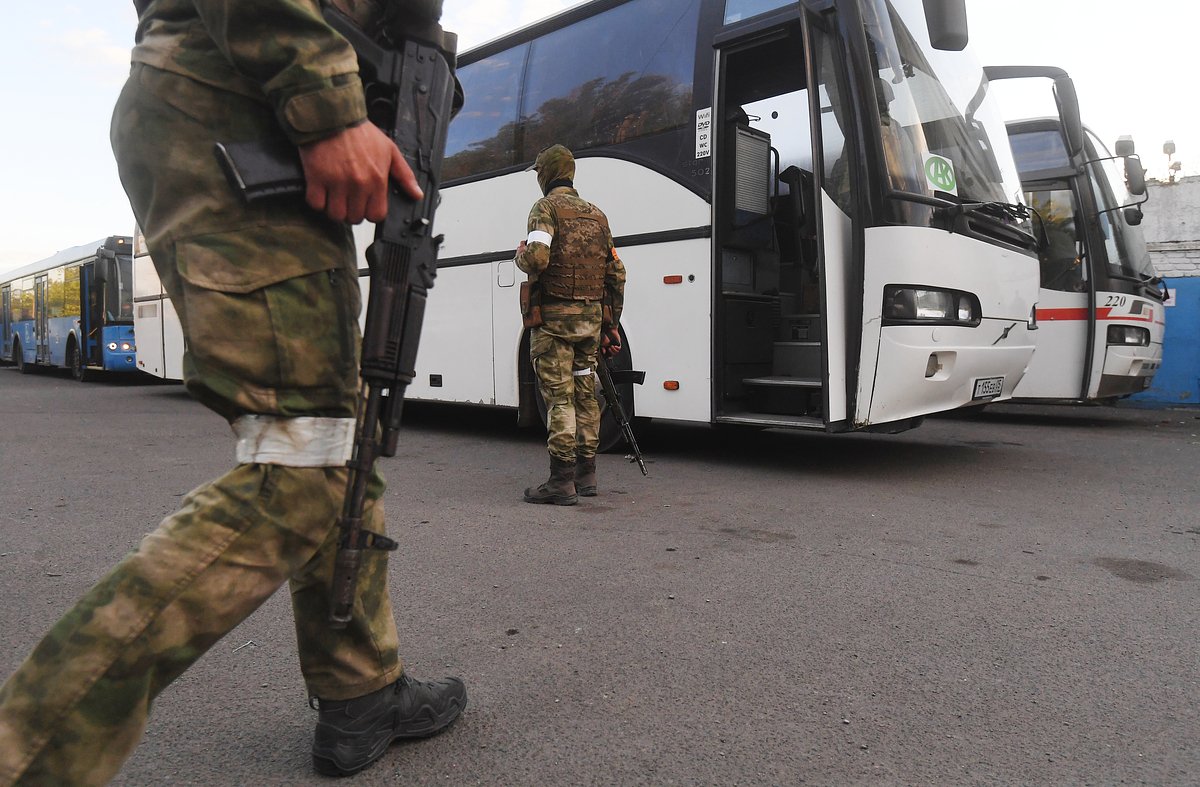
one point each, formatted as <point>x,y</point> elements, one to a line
<point>672,280</point>
<point>671,385</point>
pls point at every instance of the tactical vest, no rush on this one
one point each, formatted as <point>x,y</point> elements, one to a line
<point>578,253</point>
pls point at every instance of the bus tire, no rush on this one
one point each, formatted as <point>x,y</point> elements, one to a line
<point>75,361</point>
<point>19,358</point>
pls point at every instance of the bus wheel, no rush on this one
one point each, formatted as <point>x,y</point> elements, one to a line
<point>19,358</point>
<point>75,361</point>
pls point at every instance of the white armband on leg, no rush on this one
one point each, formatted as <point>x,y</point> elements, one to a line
<point>294,442</point>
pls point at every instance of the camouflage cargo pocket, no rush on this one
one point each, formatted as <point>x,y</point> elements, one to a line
<point>271,331</point>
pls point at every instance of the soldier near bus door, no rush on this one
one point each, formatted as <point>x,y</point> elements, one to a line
<point>579,283</point>
<point>268,297</point>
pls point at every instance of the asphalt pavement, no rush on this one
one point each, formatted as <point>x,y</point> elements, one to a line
<point>1002,597</point>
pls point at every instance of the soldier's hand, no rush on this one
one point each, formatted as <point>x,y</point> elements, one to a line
<point>521,248</point>
<point>610,342</point>
<point>347,174</point>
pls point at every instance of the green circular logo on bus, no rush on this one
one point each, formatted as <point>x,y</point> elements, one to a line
<point>940,173</point>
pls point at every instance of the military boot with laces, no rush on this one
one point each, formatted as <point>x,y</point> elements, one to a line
<point>352,734</point>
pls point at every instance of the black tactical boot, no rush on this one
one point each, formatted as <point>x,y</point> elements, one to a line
<point>559,489</point>
<point>352,734</point>
<point>585,476</point>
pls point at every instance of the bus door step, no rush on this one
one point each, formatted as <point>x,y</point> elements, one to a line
<point>783,395</point>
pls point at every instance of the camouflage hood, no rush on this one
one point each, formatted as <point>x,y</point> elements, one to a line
<point>554,163</point>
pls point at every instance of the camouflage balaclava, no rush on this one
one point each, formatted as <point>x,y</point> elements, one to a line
<point>554,165</point>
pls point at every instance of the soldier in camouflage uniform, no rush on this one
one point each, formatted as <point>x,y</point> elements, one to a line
<point>569,253</point>
<point>268,296</point>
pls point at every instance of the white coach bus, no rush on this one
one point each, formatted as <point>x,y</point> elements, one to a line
<point>811,200</point>
<point>155,321</point>
<point>815,202</point>
<point>1101,308</point>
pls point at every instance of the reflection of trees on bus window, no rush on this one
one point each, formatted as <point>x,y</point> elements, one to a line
<point>620,75</point>
<point>71,292</point>
<point>55,293</point>
<point>26,299</point>
<point>1061,260</point>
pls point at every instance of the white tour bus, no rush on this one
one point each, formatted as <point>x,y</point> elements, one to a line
<point>155,321</point>
<point>1100,311</point>
<point>813,201</point>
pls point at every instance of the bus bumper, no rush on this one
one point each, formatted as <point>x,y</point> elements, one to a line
<point>1128,370</point>
<point>120,362</point>
<point>924,370</point>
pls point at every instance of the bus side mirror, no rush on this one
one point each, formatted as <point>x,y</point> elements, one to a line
<point>947,23</point>
<point>1068,110</point>
<point>1133,216</point>
<point>1135,176</point>
<point>1125,145</point>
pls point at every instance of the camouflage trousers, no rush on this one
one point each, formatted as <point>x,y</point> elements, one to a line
<point>269,300</point>
<point>563,352</point>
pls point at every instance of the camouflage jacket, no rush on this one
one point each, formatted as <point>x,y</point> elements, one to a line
<point>280,52</point>
<point>537,255</point>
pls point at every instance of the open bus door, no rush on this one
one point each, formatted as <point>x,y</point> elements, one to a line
<point>41,322</point>
<point>771,349</point>
<point>91,310</point>
<point>5,323</point>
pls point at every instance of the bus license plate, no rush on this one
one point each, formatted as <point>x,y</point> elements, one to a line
<point>988,387</point>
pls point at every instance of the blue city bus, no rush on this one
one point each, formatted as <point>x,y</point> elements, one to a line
<point>73,310</point>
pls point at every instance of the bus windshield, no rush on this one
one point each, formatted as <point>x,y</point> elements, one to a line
<point>1126,246</point>
<point>118,291</point>
<point>942,133</point>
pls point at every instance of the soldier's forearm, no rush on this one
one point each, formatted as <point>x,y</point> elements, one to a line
<point>534,259</point>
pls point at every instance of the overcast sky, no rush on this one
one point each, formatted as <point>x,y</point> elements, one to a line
<point>64,63</point>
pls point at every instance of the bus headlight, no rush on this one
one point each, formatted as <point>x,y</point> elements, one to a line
<point>126,347</point>
<point>910,305</point>
<point>1129,335</point>
<point>112,346</point>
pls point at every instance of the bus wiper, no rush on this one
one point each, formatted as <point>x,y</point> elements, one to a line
<point>1012,211</point>
<point>1002,215</point>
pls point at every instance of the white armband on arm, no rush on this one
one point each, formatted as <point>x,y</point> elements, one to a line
<point>538,236</point>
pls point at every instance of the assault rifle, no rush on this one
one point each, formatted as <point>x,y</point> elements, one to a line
<point>412,94</point>
<point>614,401</point>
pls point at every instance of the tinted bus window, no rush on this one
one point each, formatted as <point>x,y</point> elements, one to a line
<point>1061,260</point>
<point>55,293</point>
<point>617,76</point>
<point>940,129</point>
<point>482,137</point>
<point>1035,151</point>
<point>71,286</point>
<point>26,299</point>
<point>737,10</point>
